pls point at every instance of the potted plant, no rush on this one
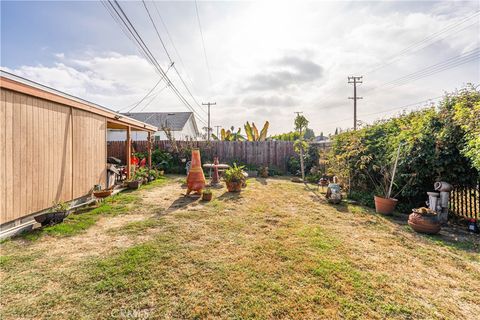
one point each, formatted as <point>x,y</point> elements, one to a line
<point>141,174</point>
<point>424,220</point>
<point>234,178</point>
<point>385,203</point>
<point>207,195</point>
<point>152,174</point>
<point>102,193</point>
<point>55,214</point>
<point>263,172</point>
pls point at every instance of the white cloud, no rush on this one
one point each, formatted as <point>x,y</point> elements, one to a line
<point>269,60</point>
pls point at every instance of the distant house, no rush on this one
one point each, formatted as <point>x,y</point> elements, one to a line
<point>182,125</point>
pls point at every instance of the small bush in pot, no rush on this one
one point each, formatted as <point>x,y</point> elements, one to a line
<point>55,214</point>
<point>234,178</point>
<point>263,172</point>
<point>207,195</point>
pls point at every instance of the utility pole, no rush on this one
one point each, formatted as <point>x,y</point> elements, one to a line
<point>209,104</point>
<point>217,131</point>
<point>355,81</point>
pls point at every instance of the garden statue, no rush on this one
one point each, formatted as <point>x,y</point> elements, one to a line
<point>195,177</point>
<point>334,193</point>
<point>215,177</point>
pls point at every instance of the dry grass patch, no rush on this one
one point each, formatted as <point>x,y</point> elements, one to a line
<point>273,251</point>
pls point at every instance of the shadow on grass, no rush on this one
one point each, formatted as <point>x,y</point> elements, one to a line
<point>182,202</point>
<point>262,180</point>
<point>453,235</point>
<point>230,196</point>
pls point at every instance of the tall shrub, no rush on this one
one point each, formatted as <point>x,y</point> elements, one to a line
<point>436,145</point>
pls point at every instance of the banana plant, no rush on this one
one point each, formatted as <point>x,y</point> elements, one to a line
<point>252,132</point>
<point>229,135</point>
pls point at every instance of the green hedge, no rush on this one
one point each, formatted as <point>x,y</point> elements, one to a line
<point>438,143</point>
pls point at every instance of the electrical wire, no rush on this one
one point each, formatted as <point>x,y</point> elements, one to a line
<point>385,111</point>
<point>203,43</point>
<point>426,42</point>
<point>447,64</point>
<point>168,55</point>
<point>153,98</point>
<point>173,44</point>
<point>123,18</point>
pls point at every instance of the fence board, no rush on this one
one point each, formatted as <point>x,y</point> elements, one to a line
<point>270,153</point>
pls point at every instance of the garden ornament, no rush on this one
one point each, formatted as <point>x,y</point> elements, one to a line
<point>195,177</point>
<point>334,193</point>
<point>444,188</point>
<point>215,177</point>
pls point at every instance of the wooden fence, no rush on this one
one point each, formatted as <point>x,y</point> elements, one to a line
<point>465,201</point>
<point>274,154</point>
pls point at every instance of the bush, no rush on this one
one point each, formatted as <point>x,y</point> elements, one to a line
<point>435,146</point>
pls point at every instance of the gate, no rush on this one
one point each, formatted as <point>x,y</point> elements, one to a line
<point>465,201</point>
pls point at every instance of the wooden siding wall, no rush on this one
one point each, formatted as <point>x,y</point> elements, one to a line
<point>90,143</point>
<point>39,164</point>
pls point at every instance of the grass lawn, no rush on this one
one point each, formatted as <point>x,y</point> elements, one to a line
<point>275,250</point>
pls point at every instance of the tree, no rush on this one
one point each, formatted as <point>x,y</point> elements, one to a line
<point>309,134</point>
<point>301,124</point>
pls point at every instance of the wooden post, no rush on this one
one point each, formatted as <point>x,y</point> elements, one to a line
<point>149,146</point>
<point>128,150</point>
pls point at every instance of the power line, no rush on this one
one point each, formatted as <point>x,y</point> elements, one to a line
<point>154,97</point>
<point>171,41</point>
<point>418,45</point>
<point>168,55</point>
<point>136,104</point>
<point>438,67</point>
<point>117,9</point>
<point>203,43</point>
<point>385,111</point>
<point>447,64</point>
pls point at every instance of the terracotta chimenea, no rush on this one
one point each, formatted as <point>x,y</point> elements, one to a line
<point>195,178</point>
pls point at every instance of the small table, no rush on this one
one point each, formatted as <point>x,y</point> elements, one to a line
<point>216,167</point>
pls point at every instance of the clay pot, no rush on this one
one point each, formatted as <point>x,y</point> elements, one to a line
<point>195,178</point>
<point>234,186</point>
<point>424,224</point>
<point>385,206</point>
<point>207,196</point>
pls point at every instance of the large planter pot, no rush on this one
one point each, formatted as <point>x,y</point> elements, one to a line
<point>234,186</point>
<point>134,184</point>
<point>385,206</point>
<point>51,217</point>
<point>424,223</point>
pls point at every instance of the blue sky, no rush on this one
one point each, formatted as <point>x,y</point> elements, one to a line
<point>267,59</point>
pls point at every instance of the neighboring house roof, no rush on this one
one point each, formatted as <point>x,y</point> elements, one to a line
<point>174,120</point>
